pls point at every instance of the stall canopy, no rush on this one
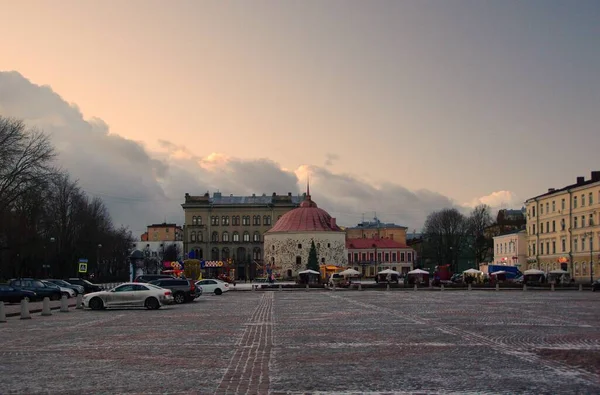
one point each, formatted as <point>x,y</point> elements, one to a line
<point>418,271</point>
<point>533,271</point>
<point>559,271</point>
<point>472,271</point>
<point>350,272</point>
<point>389,271</point>
<point>309,272</point>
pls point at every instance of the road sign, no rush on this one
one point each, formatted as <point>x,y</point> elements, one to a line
<point>83,265</point>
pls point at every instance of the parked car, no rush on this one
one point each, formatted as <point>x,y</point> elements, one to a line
<point>61,283</point>
<point>87,286</point>
<point>41,290</point>
<point>129,295</point>
<point>183,290</point>
<point>68,292</point>
<point>146,278</point>
<point>596,285</point>
<point>10,294</point>
<point>211,285</point>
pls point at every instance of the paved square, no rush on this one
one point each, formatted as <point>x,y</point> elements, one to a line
<point>275,342</point>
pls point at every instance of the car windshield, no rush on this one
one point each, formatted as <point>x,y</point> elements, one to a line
<point>150,285</point>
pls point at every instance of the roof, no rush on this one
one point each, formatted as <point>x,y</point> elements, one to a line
<point>163,225</point>
<point>306,218</point>
<point>580,183</point>
<point>376,224</point>
<point>218,199</point>
<point>364,243</point>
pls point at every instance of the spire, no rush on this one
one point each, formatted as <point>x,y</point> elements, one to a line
<point>307,185</point>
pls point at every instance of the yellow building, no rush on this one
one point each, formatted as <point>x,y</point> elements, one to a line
<point>163,232</point>
<point>563,229</point>
<point>377,230</point>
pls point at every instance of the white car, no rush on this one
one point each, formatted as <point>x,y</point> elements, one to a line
<point>211,285</point>
<point>68,292</point>
<point>129,295</point>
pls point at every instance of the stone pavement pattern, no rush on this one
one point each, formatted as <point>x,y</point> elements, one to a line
<point>314,342</point>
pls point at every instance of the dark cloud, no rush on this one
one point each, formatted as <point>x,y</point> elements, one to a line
<point>140,187</point>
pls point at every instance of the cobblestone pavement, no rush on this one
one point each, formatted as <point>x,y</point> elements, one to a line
<point>317,342</point>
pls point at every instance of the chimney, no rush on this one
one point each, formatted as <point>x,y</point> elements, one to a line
<point>580,180</point>
<point>274,193</point>
<point>596,175</point>
<point>289,194</point>
<point>217,195</point>
<point>254,195</point>
<point>332,222</point>
<point>551,189</point>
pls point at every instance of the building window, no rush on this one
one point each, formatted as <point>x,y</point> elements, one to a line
<point>236,237</point>
<point>194,220</point>
<point>534,249</point>
<point>554,247</point>
<point>529,249</point>
<point>349,257</point>
<point>541,209</point>
<point>583,221</point>
<point>214,220</point>
<point>225,254</point>
<point>584,269</point>
<point>547,207</point>
<point>372,256</point>
<point>553,206</point>
<point>542,227</point>
<point>356,257</point>
<point>564,245</point>
<point>387,256</point>
<point>591,198</point>
<point>394,256</point>
<point>402,257</point>
<point>235,220</point>
<point>225,236</point>
<point>575,246</point>
<point>591,220</point>
<point>215,236</point>
<point>299,246</point>
<point>246,220</point>
<point>582,200</point>
<point>553,226</point>
<point>193,235</point>
<point>214,254</point>
<point>409,257</point>
<point>534,229</point>
<point>256,220</point>
<point>256,237</point>
<point>267,220</point>
<point>562,204</point>
<point>574,201</point>
<point>225,220</point>
<point>548,227</point>
<point>246,237</point>
<point>298,260</point>
<point>575,222</point>
<point>576,268</point>
<point>541,248</point>
<point>547,247</point>
<point>562,224</point>
<point>533,211</point>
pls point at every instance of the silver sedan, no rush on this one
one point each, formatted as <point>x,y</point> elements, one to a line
<point>129,295</point>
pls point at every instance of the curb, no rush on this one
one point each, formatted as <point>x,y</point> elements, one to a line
<point>34,311</point>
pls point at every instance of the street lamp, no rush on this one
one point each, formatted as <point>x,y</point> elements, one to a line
<point>98,257</point>
<point>591,236</point>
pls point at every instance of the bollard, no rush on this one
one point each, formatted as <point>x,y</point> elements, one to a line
<point>524,287</point>
<point>359,286</point>
<point>254,287</point>
<point>2,312</point>
<point>79,302</point>
<point>280,287</point>
<point>415,287</point>
<point>552,287</point>
<point>307,287</point>
<point>442,287</point>
<point>25,310</point>
<point>333,288</point>
<point>497,287</point>
<point>470,288</point>
<point>388,287</point>
<point>46,307</point>
<point>580,287</point>
<point>64,305</point>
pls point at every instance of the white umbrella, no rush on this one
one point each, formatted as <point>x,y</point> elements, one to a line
<point>350,272</point>
<point>533,271</point>
<point>472,271</point>
<point>418,271</point>
<point>388,271</point>
<point>308,272</point>
<point>559,271</point>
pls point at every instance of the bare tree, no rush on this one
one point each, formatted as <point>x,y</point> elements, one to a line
<point>25,160</point>
<point>479,220</point>
<point>172,253</point>
<point>446,234</point>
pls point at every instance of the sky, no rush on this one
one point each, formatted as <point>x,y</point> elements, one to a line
<point>394,107</point>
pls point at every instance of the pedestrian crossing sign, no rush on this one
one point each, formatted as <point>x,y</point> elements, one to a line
<point>83,265</point>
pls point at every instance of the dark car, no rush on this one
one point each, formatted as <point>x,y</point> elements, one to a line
<point>183,290</point>
<point>42,290</point>
<point>79,289</point>
<point>10,294</point>
<point>87,286</point>
<point>596,285</point>
<point>146,278</point>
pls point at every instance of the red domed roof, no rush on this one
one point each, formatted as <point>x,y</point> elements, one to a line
<point>306,218</point>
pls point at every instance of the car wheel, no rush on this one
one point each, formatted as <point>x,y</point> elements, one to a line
<point>96,304</point>
<point>218,291</point>
<point>55,297</point>
<point>179,297</point>
<point>152,304</point>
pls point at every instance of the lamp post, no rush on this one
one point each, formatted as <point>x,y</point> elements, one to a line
<point>98,257</point>
<point>591,236</point>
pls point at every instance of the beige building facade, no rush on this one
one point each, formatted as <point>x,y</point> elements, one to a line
<point>563,229</point>
<point>377,230</point>
<point>511,249</point>
<point>230,229</point>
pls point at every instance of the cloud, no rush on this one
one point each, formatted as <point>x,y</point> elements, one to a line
<point>498,199</point>
<point>330,158</point>
<point>141,187</point>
